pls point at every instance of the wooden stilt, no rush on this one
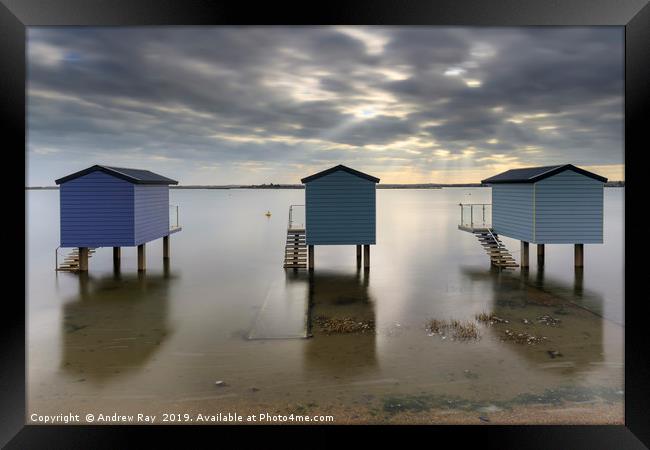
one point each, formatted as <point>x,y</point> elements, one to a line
<point>117,254</point>
<point>540,255</point>
<point>578,282</point>
<point>358,256</point>
<point>83,259</point>
<point>579,255</point>
<point>142,258</point>
<point>311,257</point>
<point>366,256</point>
<point>166,247</point>
<point>524,254</point>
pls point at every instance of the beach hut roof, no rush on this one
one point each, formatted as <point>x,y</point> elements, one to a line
<point>534,174</point>
<point>136,176</point>
<point>337,168</point>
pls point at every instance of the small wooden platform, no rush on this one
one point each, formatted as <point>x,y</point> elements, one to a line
<point>471,229</point>
<point>173,230</point>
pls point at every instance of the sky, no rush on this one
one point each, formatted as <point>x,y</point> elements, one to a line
<point>246,105</point>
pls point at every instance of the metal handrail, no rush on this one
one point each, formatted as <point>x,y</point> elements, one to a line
<point>290,223</point>
<point>471,212</point>
<point>177,220</point>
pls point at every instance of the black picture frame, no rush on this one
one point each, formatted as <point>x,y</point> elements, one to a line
<point>634,15</point>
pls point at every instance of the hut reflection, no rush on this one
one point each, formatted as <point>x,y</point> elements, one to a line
<point>339,300</point>
<point>114,325</point>
<point>532,303</point>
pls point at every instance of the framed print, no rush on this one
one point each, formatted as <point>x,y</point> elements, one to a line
<point>364,214</point>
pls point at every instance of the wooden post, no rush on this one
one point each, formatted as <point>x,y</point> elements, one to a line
<point>166,247</point>
<point>311,257</point>
<point>142,258</point>
<point>117,255</point>
<point>540,255</point>
<point>524,254</point>
<point>83,259</point>
<point>578,282</point>
<point>366,256</point>
<point>358,256</point>
<point>579,255</point>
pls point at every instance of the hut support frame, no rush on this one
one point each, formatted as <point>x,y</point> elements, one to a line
<point>366,256</point>
<point>524,254</point>
<point>166,247</point>
<point>83,259</point>
<point>540,255</point>
<point>142,257</point>
<point>579,255</point>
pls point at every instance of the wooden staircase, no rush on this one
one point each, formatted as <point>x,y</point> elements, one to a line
<point>496,250</point>
<point>71,262</point>
<point>295,252</point>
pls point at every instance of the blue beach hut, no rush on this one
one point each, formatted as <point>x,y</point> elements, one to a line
<point>104,206</point>
<point>560,204</point>
<point>340,209</point>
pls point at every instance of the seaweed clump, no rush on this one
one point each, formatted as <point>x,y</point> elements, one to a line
<point>343,325</point>
<point>490,319</point>
<point>522,338</point>
<point>457,330</point>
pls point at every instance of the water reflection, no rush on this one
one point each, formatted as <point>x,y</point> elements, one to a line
<point>533,304</point>
<point>115,324</point>
<point>334,297</point>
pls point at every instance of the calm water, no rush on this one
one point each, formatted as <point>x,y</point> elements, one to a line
<point>159,341</point>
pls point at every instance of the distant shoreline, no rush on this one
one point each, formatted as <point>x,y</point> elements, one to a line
<point>300,186</point>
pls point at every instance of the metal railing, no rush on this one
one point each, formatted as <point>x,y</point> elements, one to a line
<point>173,217</point>
<point>296,217</point>
<point>476,215</point>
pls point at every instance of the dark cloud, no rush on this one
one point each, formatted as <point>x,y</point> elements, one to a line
<point>259,104</point>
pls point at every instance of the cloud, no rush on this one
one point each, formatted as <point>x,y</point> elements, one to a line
<point>229,105</point>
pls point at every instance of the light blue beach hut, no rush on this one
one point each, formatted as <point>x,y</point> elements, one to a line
<point>560,204</point>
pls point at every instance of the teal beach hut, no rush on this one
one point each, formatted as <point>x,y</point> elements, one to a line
<point>340,209</point>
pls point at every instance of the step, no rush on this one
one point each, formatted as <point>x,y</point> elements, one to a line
<point>490,241</point>
<point>295,266</point>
